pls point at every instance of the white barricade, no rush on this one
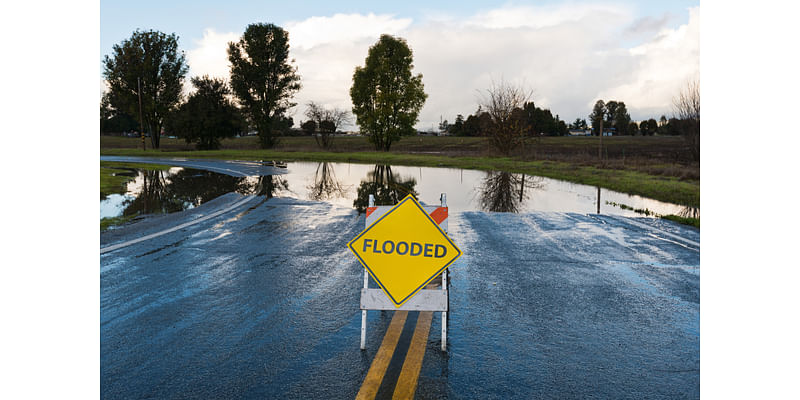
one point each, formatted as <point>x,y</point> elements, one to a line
<point>425,299</point>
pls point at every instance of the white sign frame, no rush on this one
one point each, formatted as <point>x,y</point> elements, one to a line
<point>424,300</point>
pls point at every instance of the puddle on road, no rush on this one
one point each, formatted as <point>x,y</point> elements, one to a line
<point>349,185</point>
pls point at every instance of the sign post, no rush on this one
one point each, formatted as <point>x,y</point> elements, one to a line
<point>404,248</point>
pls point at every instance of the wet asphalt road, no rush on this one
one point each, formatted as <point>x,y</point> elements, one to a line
<point>262,302</point>
<point>227,167</point>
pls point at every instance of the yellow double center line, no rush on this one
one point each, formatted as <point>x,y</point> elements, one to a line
<point>407,381</point>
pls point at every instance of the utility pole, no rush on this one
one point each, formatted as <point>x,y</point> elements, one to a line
<point>600,149</point>
<point>141,124</point>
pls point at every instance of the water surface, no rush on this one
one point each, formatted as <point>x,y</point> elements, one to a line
<point>350,185</point>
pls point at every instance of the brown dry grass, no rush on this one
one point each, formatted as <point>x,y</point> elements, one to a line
<point>666,156</point>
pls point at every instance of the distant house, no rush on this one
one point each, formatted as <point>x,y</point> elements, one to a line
<point>580,132</point>
<point>588,132</point>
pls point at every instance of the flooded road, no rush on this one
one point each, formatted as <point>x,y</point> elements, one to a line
<point>263,302</point>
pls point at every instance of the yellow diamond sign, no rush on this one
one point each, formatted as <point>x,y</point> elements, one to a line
<point>404,250</point>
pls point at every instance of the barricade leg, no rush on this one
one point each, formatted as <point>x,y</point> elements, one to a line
<point>444,313</point>
<point>366,286</point>
<point>444,330</point>
<point>364,316</point>
<point>363,329</point>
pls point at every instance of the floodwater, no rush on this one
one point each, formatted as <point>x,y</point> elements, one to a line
<point>350,185</point>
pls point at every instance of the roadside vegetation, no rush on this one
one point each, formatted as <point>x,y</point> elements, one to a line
<point>111,180</point>
<point>106,223</point>
<point>681,219</point>
<point>695,222</point>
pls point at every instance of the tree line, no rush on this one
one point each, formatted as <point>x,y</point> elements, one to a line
<point>612,117</point>
<point>145,76</point>
<point>532,121</point>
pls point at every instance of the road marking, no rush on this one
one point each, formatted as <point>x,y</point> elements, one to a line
<point>407,382</point>
<point>369,389</point>
<point>175,228</point>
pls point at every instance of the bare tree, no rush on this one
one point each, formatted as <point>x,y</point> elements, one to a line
<point>505,131</point>
<point>505,192</point>
<point>325,185</point>
<point>687,109</point>
<point>328,120</point>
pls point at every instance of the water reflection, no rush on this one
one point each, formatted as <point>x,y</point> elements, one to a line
<point>506,192</point>
<point>325,185</point>
<point>349,185</point>
<point>161,192</point>
<point>689,212</point>
<point>269,186</point>
<point>598,199</point>
<point>155,196</point>
<point>198,187</point>
<point>388,188</point>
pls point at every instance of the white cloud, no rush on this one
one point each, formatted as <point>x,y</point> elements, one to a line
<point>561,63</point>
<point>663,67</point>
<point>327,50</point>
<point>210,54</point>
<point>569,55</point>
<point>550,15</point>
<point>340,28</point>
<point>103,87</point>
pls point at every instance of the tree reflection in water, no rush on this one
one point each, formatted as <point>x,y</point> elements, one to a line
<point>155,196</point>
<point>689,212</point>
<point>166,192</point>
<point>505,192</point>
<point>326,186</point>
<point>270,185</point>
<point>387,187</point>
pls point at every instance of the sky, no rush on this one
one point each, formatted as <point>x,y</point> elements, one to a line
<point>567,54</point>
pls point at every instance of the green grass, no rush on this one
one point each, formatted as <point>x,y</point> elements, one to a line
<point>695,222</point>
<point>113,183</point>
<point>106,223</point>
<point>663,188</point>
<point>110,183</point>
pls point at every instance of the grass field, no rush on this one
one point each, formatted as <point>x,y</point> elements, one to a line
<point>655,167</point>
<point>114,176</point>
